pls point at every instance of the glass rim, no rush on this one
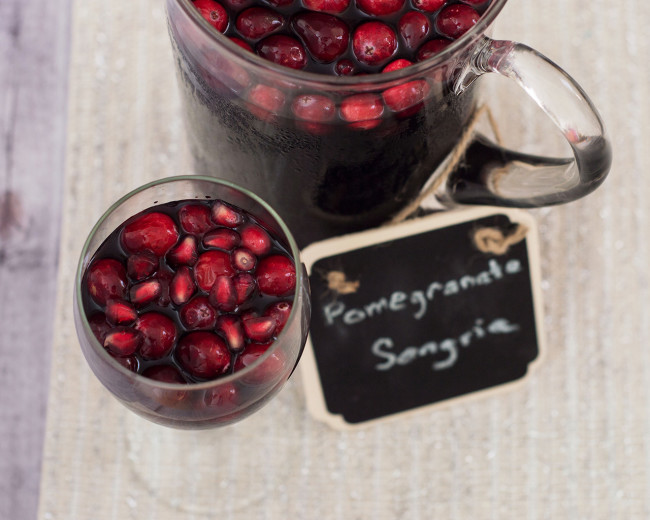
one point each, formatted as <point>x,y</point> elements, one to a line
<point>103,353</point>
<point>369,80</point>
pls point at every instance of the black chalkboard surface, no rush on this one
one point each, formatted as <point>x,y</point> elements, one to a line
<point>418,313</point>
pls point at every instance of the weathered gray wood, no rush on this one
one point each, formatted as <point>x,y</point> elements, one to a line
<point>34,48</point>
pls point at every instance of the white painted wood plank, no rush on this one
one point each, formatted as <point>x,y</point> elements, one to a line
<point>34,48</point>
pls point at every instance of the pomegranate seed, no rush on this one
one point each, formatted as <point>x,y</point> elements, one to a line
<point>195,219</point>
<point>182,286</point>
<point>276,275</point>
<point>256,22</point>
<point>155,232</point>
<point>250,313</point>
<point>128,362</point>
<point>119,312</point>
<point>222,238</point>
<point>325,36</point>
<point>373,43</point>
<point>184,253</point>
<point>203,354</point>
<point>279,311</point>
<point>271,369</point>
<point>145,292</point>
<point>198,314</point>
<point>430,6</point>
<point>231,327</point>
<point>164,279</point>
<point>345,67</point>
<point>265,102</point>
<point>141,265</point>
<point>414,28</point>
<point>223,295</point>
<point>210,265</point>
<point>214,13</point>
<point>241,43</point>
<point>260,329</point>
<point>99,326</point>
<point>225,215</point>
<point>380,7</point>
<point>326,6</point>
<point>455,20</point>
<point>362,111</point>
<point>243,259</point>
<point>159,334</point>
<point>223,396</point>
<point>106,279</point>
<point>283,50</point>
<point>123,341</point>
<point>431,48</point>
<point>244,287</point>
<point>405,99</point>
<point>256,239</point>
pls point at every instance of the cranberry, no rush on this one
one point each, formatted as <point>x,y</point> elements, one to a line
<point>214,13</point>
<point>474,2</point>
<point>195,219</point>
<point>184,253</point>
<point>203,354</point>
<point>223,295</point>
<point>345,67</point>
<point>145,292</point>
<point>380,7</point>
<point>198,314</point>
<point>106,279</point>
<point>154,232</point>
<point>224,397</point>
<point>231,328</point>
<point>430,6</point>
<point>222,238</point>
<point>374,42</point>
<point>431,48</point>
<point>210,265</point>
<point>141,265</point>
<point>244,287</point>
<point>280,312</point>
<point>182,286</point>
<point>362,111</point>
<point>405,99</point>
<point>123,341</point>
<point>256,22</point>
<point>283,50</point>
<point>159,334</point>
<point>327,6</point>
<point>265,102</point>
<point>165,374</point>
<point>414,28</point>
<point>276,275</point>
<point>119,312</point>
<point>256,239</point>
<point>99,326</point>
<point>280,3</point>
<point>225,215</point>
<point>325,36</point>
<point>455,20</point>
<point>243,259</point>
<point>269,371</point>
<point>241,43</point>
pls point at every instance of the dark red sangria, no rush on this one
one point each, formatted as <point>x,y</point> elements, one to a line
<point>325,107</point>
<point>193,310</point>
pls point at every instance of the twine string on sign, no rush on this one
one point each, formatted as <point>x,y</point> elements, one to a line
<point>453,160</point>
<point>494,240</point>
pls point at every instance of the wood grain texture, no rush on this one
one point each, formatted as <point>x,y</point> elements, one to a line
<point>34,47</point>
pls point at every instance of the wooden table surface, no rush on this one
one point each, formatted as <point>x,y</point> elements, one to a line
<point>34,50</point>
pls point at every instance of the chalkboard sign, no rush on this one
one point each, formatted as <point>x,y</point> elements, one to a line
<point>415,314</point>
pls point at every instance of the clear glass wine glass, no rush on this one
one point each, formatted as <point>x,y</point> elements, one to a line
<point>211,403</point>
